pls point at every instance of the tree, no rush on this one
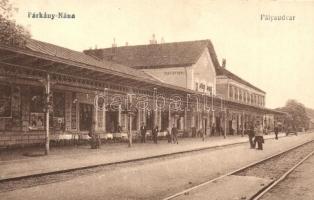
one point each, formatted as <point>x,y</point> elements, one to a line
<point>11,34</point>
<point>297,116</point>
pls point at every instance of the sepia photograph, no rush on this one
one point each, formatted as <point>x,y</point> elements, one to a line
<point>156,100</point>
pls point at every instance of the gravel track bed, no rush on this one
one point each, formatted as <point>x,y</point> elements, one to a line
<point>275,167</point>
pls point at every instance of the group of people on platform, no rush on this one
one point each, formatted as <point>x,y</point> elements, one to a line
<point>256,135</point>
<point>171,134</point>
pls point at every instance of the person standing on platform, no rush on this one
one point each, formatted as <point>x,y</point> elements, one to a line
<point>251,135</point>
<point>213,131</point>
<point>95,139</point>
<point>143,133</point>
<point>174,132</point>
<point>193,131</point>
<point>276,130</point>
<point>259,139</point>
<point>155,134</point>
<point>202,133</point>
<point>169,136</point>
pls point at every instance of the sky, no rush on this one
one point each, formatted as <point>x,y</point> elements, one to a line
<point>276,56</point>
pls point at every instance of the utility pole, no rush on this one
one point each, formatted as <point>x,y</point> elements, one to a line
<point>130,114</point>
<point>47,114</point>
<point>130,129</point>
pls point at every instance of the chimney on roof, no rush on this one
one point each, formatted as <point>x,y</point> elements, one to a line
<point>126,44</point>
<point>96,46</point>
<point>114,47</point>
<point>153,40</point>
<point>114,44</point>
<point>223,65</point>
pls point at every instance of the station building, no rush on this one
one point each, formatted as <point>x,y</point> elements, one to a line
<point>97,86</point>
<point>193,65</point>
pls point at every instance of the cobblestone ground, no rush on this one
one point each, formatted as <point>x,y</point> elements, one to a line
<point>154,180</point>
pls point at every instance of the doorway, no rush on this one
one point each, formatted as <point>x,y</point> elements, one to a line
<point>205,122</point>
<point>149,120</point>
<point>112,121</point>
<point>164,120</point>
<point>86,116</point>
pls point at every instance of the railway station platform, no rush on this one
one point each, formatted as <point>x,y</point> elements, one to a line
<point>15,164</point>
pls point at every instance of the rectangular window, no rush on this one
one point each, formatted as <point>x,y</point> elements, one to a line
<point>255,99</point>
<point>58,111</point>
<point>259,100</point>
<point>37,100</point>
<point>230,92</point>
<point>37,115</point>
<point>5,101</point>
<point>58,104</point>
<point>245,98</point>
<point>240,95</point>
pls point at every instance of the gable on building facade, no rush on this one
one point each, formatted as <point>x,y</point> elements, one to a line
<point>204,74</point>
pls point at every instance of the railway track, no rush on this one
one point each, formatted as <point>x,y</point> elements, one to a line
<point>261,193</point>
<point>276,167</point>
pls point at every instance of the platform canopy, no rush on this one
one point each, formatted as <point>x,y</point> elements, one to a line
<point>40,58</point>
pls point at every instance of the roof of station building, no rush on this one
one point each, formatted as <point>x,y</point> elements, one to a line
<point>156,55</point>
<point>175,54</point>
<point>224,72</point>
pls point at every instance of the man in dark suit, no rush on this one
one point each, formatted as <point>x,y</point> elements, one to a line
<point>174,132</point>
<point>276,129</point>
<point>143,133</point>
<point>251,135</point>
<point>155,134</point>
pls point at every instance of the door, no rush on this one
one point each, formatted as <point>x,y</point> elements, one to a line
<point>86,116</point>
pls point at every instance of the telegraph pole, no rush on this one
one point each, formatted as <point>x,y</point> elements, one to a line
<point>47,113</point>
